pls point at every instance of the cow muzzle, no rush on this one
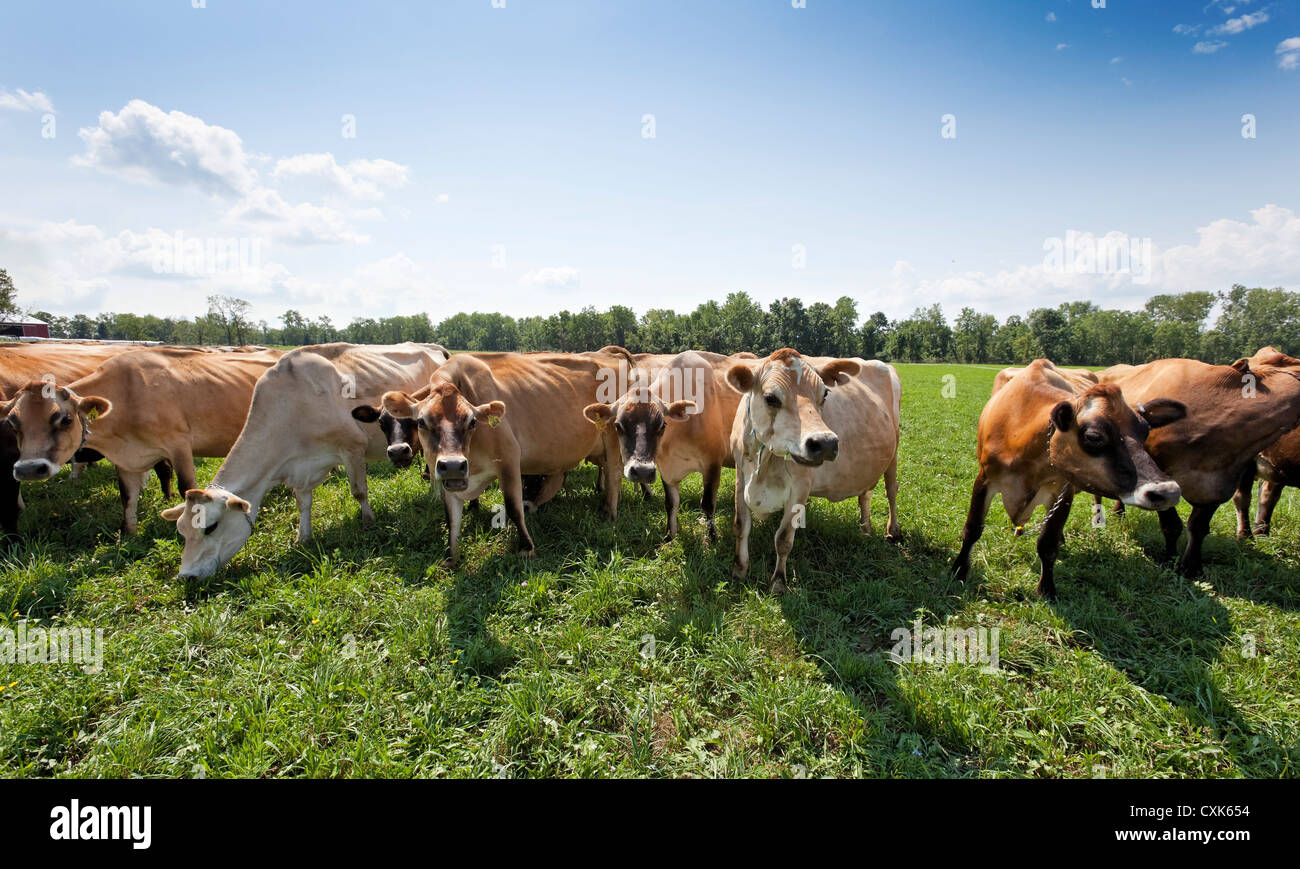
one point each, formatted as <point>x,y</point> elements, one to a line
<point>1154,496</point>
<point>818,448</point>
<point>400,455</point>
<point>452,472</point>
<point>34,469</point>
<point>640,472</point>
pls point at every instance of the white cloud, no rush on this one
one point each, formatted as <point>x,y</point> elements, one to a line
<point>1264,251</point>
<point>1186,29</point>
<point>360,178</point>
<point>553,278</point>
<point>266,210</point>
<point>1116,60</point>
<point>22,101</point>
<point>1239,25</point>
<point>1061,46</point>
<point>1289,53</point>
<point>1207,47</point>
<point>142,143</point>
<point>1051,16</point>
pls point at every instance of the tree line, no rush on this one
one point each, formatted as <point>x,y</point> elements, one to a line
<point>1073,333</point>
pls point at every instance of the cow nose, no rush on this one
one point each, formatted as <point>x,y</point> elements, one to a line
<point>34,469</point>
<point>400,454</point>
<point>823,446</point>
<point>640,472</point>
<point>452,468</point>
<point>1159,496</point>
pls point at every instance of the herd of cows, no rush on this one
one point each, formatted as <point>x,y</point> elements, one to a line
<point>794,427</point>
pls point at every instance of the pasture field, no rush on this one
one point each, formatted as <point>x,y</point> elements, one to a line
<point>358,655</point>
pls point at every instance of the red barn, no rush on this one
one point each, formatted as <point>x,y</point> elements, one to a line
<point>24,327</point>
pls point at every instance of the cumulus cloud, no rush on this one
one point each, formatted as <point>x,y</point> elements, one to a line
<point>1240,25</point>
<point>21,101</point>
<point>360,178</point>
<point>1061,46</point>
<point>1051,16</point>
<point>1263,251</point>
<point>266,210</point>
<point>1207,47</point>
<point>1186,29</point>
<point>553,278</point>
<point>142,143</point>
<point>1288,51</point>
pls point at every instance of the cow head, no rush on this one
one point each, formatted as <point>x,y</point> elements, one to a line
<point>1096,441</point>
<point>49,423</point>
<point>445,422</point>
<point>786,395</point>
<point>215,525</point>
<point>639,419</point>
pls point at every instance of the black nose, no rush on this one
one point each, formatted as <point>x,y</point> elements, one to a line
<point>641,472</point>
<point>823,446</point>
<point>453,469</point>
<point>400,454</point>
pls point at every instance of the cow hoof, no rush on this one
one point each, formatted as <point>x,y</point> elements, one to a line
<point>894,537</point>
<point>778,586</point>
<point>1020,530</point>
<point>448,564</point>
<point>713,534</point>
<point>739,571</point>
<point>1261,530</point>
<point>528,553</point>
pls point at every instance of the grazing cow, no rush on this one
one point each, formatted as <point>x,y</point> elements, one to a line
<point>403,445</point>
<point>1277,467</point>
<point>679,424</point>
<point>500,416</point>
<point>137,409</point>
<point>804,428</point>
<point>1234,412</point>
<point>1040,442</point>
<point>299,428</point>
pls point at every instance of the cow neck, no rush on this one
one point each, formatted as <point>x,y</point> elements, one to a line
<point>250,474</point>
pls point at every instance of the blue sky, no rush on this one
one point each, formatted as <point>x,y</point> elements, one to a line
<point>500,163</point>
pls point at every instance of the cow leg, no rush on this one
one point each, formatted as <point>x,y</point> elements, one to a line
<point>974,527</point>
<point>11,504</point>
<point>741,524</point>
<point>709,500</point>
<point>1269,492</point>
<point>76,470</point>
<point>646,491</point>
<point>1050,540</point>
<point>551,486</point>
<point>512,488</point>
<point>164,472</point>
<point>455,509</point>
<point>182,462</point>
<point>303,497</point>
<point>672,501</point>
<point>613,473</point>
<point>784,543</point>
<point>129,484</point>
<point>355,467</point>
<point>1198,526</point>
<point>1241,501</point>
<point>893,531</point>
<point>864,512</point>
<point>1172,526</point>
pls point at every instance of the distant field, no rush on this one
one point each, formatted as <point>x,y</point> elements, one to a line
<point>357,656</point>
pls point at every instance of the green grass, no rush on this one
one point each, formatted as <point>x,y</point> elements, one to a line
<point>356,655</point>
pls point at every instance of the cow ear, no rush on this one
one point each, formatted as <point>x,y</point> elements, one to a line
<point>365,413</point>
<point>599,414</point>
<point>399,404</point>
<point>678,410</point>
<point>740,377</point>
<point>838,372</point>
<point>171,514</point>
<point>238,504</point>
<point>1063,416</point>
<point>93,406</point>
<point>491,412</point>
<point>8,407</point>
<point>1161,411</point>
<point>423,392</point>
<point>1242,365</point>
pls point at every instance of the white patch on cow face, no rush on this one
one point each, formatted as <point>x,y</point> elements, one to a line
<point>785,413</point>
<point>213,531</point>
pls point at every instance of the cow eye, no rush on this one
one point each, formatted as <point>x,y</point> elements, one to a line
<point>1094,438</point>
<point>213,527</point>
<point>618,427</point>
<point>420,423</point>
<point>773,400</point>
<point>473,423</point>
<point>65,421</point>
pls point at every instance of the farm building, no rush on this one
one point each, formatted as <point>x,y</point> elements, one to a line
<point>20,326</point>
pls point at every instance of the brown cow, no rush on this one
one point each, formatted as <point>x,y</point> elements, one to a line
<point>679,424</point>
<point>1277,467</point>
<point>1234,412</point>
<point>825,428</point>
<point>500,416</point>
<point>138,409</point>
<point>1039,442</point>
